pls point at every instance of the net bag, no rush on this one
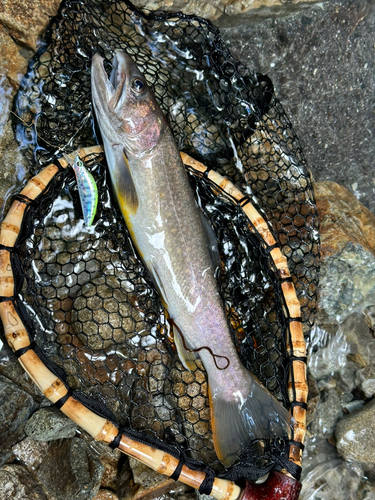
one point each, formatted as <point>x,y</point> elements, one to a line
<point>77,305</point>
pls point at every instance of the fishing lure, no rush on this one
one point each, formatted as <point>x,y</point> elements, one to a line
<point>87,188</point>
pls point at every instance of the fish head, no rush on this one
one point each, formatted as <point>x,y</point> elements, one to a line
<point>125,107</point>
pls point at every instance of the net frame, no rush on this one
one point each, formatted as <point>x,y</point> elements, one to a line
<point>162,458</point>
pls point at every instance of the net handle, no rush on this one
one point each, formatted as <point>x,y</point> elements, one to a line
<point>55,390</point>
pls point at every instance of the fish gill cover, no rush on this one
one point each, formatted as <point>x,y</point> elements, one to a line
<point>93,310</point>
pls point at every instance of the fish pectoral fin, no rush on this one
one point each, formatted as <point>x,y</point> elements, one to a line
<point>187,356</point>
<point>125,188</point>
<point>250,413</point>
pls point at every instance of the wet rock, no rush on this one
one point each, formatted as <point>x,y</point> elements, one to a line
<point>27,21</point>
<point>313,399</point>
<point>365,380</point>
<point>369,313</point>
<point>333,479</point>
<point>13,65</point>
<point>110,459</point>
<point>48,424</point>
<point>359,338</point>
<point>355,436</point>
<point>328,412</point>
<point>30,452</point>
<point>15,408</point>
<point>12,370</point>
<point>69,471</point>
<point>348,252</point>
<point>105,495</point>
<point>331,355</point>
<point>212,9</point>
<point>13,166</point>
<point>320,59</point>
<point>343,219</point>
<point>17,483</point>
<point>147,483</point>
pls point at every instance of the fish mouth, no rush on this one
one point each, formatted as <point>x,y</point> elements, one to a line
<point>111,89</point>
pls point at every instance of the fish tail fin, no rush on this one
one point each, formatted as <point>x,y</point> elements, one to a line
<point>251,413</point>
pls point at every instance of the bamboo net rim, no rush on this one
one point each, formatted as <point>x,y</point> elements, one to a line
<point>100,428</point>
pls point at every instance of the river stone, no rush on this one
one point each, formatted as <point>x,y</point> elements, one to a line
<point>348,252</point>
<point>360,339</point>
<point>147,483</point>
<point>343,219</point>
<point>30,452</point>
<point>212,9</point>
<point>327,414</point>
<point>355,436</point>
<point>70,470</point>
<point>365,380</point>
<point>26,21</point>
<point>15,408</point>
<point>17,483</point>
<point>105,495</point>
<point>48,424</point>
<point>321,61</point>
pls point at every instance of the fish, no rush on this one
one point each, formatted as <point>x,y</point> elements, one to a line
<point>87,188</point>
<point>165,223</point>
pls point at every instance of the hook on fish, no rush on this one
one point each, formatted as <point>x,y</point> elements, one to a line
<point>87,188</point>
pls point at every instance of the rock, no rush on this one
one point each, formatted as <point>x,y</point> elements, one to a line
<point>369,313</point>
<point>333,479</point>
<point>212,9</point>
<point>330,358</point>
<point>343,219</point>
<point>313,399</point>
<point>321,61</point>
<point>17,483</point>
<point>148,482</point>
<point>365,380</point>
<point>70,471</point>
<point>48,424</point>
<point>359,338</point>
<point>355,436</point>
<point>13,65</point>
<point>110,460</point>
<point>105,495</point>
<point>12,370</point>
<point>347,250</point>
<point>328,412</point>
<point>26,21</point>
<point>30,452</point>
<point>15,408</point>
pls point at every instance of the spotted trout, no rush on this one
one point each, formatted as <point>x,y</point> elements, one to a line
<point>165,223</point>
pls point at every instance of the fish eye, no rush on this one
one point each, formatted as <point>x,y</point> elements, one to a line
<point>138,86</point>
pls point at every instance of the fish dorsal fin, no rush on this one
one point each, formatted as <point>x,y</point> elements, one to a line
<point>124,186</point>
<point>187,357</point>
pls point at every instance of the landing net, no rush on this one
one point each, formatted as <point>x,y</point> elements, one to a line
<point>88,302</point>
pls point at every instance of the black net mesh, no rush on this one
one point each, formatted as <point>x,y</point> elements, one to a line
<point>95,312</point>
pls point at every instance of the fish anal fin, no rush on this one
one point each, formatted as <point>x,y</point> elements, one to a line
<point>250,413</point>
<point>124,185</point>
<point>187,357</point>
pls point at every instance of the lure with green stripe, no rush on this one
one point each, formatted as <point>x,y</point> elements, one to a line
<point>87,188</point>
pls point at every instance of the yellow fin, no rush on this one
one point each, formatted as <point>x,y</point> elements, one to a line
<point>186,356</point>
<point>124,185</point>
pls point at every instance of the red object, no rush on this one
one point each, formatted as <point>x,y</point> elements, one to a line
<point>277,487</point>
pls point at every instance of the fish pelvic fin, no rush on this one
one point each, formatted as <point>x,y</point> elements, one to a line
<point>251,413</point>
<point>123,184</point>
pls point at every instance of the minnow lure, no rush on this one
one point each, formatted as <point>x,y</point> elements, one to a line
<point>87,188</point>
